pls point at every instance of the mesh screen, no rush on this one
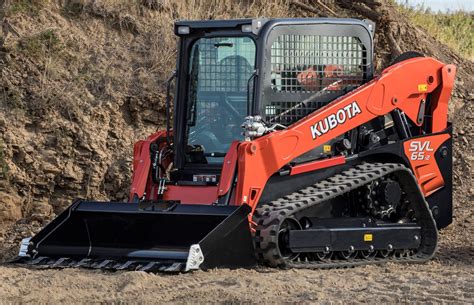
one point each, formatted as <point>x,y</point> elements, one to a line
<point>323,67</point>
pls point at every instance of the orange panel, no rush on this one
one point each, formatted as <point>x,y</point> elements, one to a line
<point>228,169</point>
<point>441,98</point>
<point>191,194</point>
<point>421,154</point>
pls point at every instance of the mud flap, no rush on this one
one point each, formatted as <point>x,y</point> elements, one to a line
<point>112,234</point>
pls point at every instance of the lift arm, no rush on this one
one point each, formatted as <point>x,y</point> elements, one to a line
<point>404,86</point>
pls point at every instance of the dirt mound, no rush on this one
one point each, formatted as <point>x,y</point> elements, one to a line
<point>82,80</point>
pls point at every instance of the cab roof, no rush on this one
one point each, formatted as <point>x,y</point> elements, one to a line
<point>258,23</point>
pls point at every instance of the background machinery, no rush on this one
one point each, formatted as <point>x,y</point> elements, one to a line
<point>285,150</point>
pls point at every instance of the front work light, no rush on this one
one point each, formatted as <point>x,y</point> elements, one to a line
<point>247,28</point>
<point>183,30</point>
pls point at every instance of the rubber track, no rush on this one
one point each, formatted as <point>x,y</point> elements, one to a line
<point>268,217</point>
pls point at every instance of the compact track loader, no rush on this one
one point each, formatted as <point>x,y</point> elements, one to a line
<point>285,150</point>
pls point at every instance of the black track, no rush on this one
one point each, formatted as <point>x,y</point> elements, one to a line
<point>270,216</point>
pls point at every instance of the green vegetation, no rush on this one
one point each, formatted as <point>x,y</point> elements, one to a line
<point>31,7</point>
<point>456,29</point>
<point>73,7</point>
<point>46,42</point>
<point>3,164</point>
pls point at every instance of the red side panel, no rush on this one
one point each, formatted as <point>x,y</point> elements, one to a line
<point>441,98</point>
<point>141,164</point>
<point>191,194</point>
<point>421,154</point>
<point>228,169</point>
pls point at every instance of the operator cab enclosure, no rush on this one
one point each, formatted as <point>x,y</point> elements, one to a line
<point>227,70</point>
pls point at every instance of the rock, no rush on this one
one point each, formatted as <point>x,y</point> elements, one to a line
<point>10,207</point>
<point>41,210</point>
<point>50,168</point>
<point>29,149</point>
<point>28,159</point>
<point>72,171</point>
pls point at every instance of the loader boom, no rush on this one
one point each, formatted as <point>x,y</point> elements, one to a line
<point>404,86</point>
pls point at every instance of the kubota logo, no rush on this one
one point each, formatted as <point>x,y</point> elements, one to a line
<point>333,120</point>
<point>420,150</point>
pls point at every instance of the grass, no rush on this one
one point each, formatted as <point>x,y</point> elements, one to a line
<point>31,7</point>
<point>3,164</point>
<point>455,29</point>
<point>38,45</point>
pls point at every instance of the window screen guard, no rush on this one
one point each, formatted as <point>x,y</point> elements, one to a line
<point>308,70</point>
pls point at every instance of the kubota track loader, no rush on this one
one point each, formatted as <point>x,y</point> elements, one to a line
<point>285,150</point>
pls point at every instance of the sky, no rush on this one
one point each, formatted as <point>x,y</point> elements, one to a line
<point>443,5</point>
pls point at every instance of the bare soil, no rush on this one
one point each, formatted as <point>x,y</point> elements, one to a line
<point>81,81</point>
<point>438,281</point>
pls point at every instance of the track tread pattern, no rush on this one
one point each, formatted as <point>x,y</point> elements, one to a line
<point>269,216</point>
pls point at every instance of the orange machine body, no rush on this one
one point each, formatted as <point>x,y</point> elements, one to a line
<point>404,86</point>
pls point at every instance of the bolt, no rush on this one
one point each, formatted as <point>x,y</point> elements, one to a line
<point>371,248</point>
<point>326,249</point>
<point>444,152</point>
<point>389,247</point>
<point>416,237</point>
<point>351,249</point>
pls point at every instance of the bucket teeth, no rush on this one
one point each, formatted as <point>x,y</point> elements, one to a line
<point>85,262</point>
<point>61,262</point>
<point>107,264</point>
<point>150,267</point>
<point>129,265</point>
<point>176,267</point>
<point>38,261</point>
